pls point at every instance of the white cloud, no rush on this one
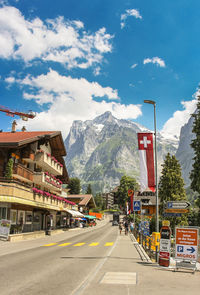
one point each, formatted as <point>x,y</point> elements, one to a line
<point>71,99</point>
<point>173,126</point>
<point>97,71</point>
<point>55,40</point>
<point>134,66</point>
<point>155,60</point>
<point>129,12</point>
<point>10,80</point>
<point>131,85</point>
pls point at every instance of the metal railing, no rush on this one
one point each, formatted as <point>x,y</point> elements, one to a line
<point>147,244</point>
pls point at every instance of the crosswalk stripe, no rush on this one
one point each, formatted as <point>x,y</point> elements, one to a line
<point>93,244</point>
<point>79,244</point>
<point>108,244</point>
<point>65,244</point>
<point>48,245</point>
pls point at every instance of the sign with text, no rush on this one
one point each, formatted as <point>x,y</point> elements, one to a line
<point>186,243</point>
<point>5,228</point>
<point>176,210</point>
<point>165,246</point>
<point>178,205</point>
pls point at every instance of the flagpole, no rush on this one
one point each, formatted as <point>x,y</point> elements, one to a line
<point>156,166</point>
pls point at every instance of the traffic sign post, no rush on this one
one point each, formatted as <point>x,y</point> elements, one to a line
<point>186,247</point>
<point>177,205</point>
<point>177,210</point>
<point>136,205</point>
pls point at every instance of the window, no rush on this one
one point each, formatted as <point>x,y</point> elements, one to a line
<point>36,218</point>
<point>29,217</point>
<point>13,216</point>
<point>145,211</point>
<point>3,212</point>
<point>21,217</point>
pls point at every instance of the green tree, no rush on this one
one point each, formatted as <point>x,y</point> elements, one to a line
<point>126,183</point>
<point>195,173</point>
<point>99,201</point>
<point>74,186</point>
<point>171,188</point>
<point>9,168</point>
<point>89,189</point>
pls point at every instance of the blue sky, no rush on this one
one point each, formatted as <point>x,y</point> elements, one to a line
<point>75,59</point>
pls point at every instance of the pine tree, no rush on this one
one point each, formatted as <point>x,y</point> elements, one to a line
<point>89,189</point>
<point>195,173</point>
<point>171,188</point>
<point>74,186</point>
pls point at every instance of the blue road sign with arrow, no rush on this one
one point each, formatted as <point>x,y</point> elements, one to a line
<point>177,205</point>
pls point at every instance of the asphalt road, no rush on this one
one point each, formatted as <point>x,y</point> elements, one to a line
<point>59,268</point>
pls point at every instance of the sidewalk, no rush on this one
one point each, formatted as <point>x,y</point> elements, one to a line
<point>123,272</point>
<point>14,247</point>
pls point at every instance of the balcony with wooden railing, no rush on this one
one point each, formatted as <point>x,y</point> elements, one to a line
<point>22,173</point>
<point>48,163</point>
<point>46,180</point>
<point>13,191</point>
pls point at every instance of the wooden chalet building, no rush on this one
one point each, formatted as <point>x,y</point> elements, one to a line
<point>84,202</point>
<point>32,171</point>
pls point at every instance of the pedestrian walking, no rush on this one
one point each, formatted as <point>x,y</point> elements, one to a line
<point>120,228</point>
<point>131,227</point>
<point>126,227</point>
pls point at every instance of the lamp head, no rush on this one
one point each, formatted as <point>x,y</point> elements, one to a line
<point>150,102</point>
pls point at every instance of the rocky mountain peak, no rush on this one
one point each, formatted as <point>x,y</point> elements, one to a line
<point>104,118</point>
<point>102,150</point>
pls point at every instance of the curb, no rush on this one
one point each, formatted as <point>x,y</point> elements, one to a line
<point>140,250</point>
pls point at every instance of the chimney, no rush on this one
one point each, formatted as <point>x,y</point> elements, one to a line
<point>14,123</point>
<point>23,128</point>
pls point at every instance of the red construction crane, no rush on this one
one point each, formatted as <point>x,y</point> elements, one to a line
<point>12,113</point>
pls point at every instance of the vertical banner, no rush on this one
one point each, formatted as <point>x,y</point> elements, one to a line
<point>145,146</point>
<point>130,194</point>
<point>131,202</point>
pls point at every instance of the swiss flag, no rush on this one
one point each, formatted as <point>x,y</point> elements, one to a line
<point>145,146</point>
<point>145,141</point>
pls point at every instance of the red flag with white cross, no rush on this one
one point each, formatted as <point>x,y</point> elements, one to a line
<point>147,175</point>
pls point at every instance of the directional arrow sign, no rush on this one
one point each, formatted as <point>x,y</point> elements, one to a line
<point>186,247</point>
<point>191,250</point>
<point>178,205</point>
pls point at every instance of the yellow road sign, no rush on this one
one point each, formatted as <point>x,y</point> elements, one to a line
<point>176,210</point>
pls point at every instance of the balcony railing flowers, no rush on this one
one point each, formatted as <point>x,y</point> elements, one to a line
<point>54,159</point>
<point>51,157</point>
<point>49,195</point>
<point>50,178</point>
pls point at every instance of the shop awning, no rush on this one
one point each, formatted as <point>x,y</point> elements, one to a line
<point>90,217</point>
<point>74,213</point>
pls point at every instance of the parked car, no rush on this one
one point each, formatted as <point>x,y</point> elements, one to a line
<point>115,222</point>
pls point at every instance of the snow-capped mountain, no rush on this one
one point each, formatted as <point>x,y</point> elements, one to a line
<point>102,150</point>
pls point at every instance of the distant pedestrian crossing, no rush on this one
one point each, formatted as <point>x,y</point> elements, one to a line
<point>94,244</point>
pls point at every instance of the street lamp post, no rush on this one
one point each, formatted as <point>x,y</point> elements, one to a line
<point>156,168</point>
